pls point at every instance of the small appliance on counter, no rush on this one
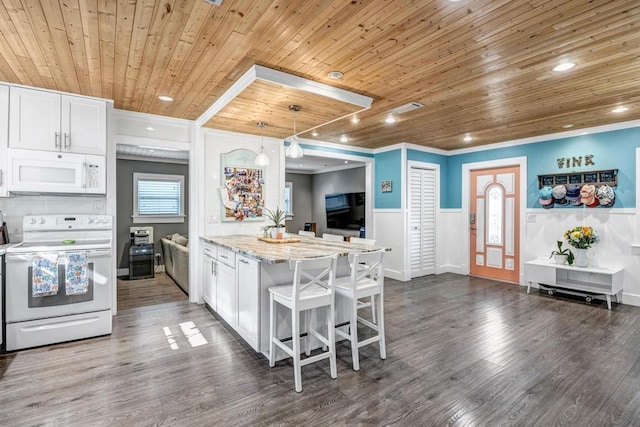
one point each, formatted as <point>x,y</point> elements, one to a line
<point>4,230</point>
<point>139,237</point>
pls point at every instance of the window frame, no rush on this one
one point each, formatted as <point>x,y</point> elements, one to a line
<point>142,219</point>
<point>288,186</point>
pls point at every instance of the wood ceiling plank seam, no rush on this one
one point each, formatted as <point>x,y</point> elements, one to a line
<point>440,64</point>
<point>14,66</point>
<point>243,63</point>
<point>353,35</point>
<point>91,36</point>
<point>185,97</point>
<point>578,16</point>
<point>227,63</point>
<point>425,37</point>
<point>308,35</point>
<point>448,53</point>
<point>208,29</point>
<point>22,38</point>
<point>204,75</point>
<point>6,69</point>
<point>185,46</point>
<point>124,34</point>
<point>75,39</point>
<point>444,83</point>
<point>167,47</point>
<point>107,33</point>
<point>52,14</point>
<point>142,18</point>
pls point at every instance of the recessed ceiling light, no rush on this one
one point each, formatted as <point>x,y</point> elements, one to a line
<point>346,161</point>
<point>150,128</point>
<point>467,138</point>
<point>567,126</point>
<point>151,151</point>
<point>335,75</point>
<point>390,119</point>
<point>454,1</point>
<point>301,165</point>
<point>344,138</point>
<point>620,109</point>
<point>165,98</point>
<point>354,120</point>
<point>565,66</point>
<point>315,133</point>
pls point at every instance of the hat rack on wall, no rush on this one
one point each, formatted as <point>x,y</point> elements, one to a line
<point>597,178</point>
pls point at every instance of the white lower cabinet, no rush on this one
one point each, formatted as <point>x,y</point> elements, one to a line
<point>209,275</point>
<point>231,287</point>
<point>248,280</point>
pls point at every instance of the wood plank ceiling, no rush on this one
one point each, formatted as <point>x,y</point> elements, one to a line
<point>481,67</point>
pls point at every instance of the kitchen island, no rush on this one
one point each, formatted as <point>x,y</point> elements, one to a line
<point>238,271</point>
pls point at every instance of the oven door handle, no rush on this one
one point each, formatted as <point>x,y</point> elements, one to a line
<point>22,257</point>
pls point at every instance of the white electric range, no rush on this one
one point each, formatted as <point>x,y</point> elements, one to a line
<point>58,281</point>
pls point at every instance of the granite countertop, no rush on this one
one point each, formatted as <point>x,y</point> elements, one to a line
<point>273,253</point>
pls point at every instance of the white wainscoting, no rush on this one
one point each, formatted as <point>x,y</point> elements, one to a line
<point>389,232</point>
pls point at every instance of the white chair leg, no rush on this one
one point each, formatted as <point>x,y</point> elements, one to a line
<point>373,310</point>
<point>295,339</point>
<point>383,346</point>
<point>272,333</point>
<point>308,323</point>
<point>353,333</point>
<point>331,336</point>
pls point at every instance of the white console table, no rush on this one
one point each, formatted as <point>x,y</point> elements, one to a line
<point>595,280</point>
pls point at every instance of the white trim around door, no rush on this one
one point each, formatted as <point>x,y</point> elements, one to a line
<point>464,225</point>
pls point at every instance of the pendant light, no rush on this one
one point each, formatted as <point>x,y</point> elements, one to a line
<point>262,159</point>
<point>294,150</point>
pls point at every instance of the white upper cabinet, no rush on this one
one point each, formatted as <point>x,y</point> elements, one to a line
<point>48,121</point>
<point>84,125</point>
<point>4,135</point>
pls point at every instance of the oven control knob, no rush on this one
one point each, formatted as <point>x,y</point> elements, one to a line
<point>90,221</point>
<point>42,221</point>
<point>32,221</point>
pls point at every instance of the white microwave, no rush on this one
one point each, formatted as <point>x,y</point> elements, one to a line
<point>33,171</point>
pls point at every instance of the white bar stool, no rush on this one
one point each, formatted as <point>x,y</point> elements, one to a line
<point>312,288</point>
<point>333,237</point>
<point>306,233</point>
<point>370,242</point>
<point>366,280</point>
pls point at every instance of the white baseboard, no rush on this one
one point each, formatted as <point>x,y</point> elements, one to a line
<point>631,299</point>
<point>395,274</point>
<point>450,268</point>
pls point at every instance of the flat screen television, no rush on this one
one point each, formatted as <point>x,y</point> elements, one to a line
<point>345,210</point>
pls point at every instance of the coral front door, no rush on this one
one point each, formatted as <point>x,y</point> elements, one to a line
<point>494,223</point>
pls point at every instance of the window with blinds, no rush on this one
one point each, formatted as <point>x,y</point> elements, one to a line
<point>158,198</point>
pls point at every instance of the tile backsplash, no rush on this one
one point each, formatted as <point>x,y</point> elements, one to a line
<point>15,208</point>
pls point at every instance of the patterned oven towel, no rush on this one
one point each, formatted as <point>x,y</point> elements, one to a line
<point>44,275</point>
<point>76,281</point>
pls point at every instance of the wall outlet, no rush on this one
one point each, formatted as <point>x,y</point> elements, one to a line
<point>98,206</point>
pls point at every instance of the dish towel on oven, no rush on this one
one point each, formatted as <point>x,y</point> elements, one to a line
<point>44,275</point>
<point>76,282</point>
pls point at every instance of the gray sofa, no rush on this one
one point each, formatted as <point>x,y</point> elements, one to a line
<point>175,250</point>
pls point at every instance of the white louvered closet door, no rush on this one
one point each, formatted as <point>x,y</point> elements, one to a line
<point>422,221</point>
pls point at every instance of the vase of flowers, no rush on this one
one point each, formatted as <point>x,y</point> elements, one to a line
<point>581,238</point>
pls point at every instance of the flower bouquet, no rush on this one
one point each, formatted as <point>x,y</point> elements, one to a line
<point>581,237</point>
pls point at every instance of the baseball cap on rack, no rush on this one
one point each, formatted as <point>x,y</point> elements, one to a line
<point>545,197</point>
<point>573,194</point>
<point>559,192</point>
<point>606,196</point>
<point>588,194</point>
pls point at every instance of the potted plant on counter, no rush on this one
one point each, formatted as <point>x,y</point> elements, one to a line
<point>276,227</point>
<point>562,256</point>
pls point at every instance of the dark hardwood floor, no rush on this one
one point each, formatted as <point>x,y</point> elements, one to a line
<point>144,292</point>
<point>460,351</point>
